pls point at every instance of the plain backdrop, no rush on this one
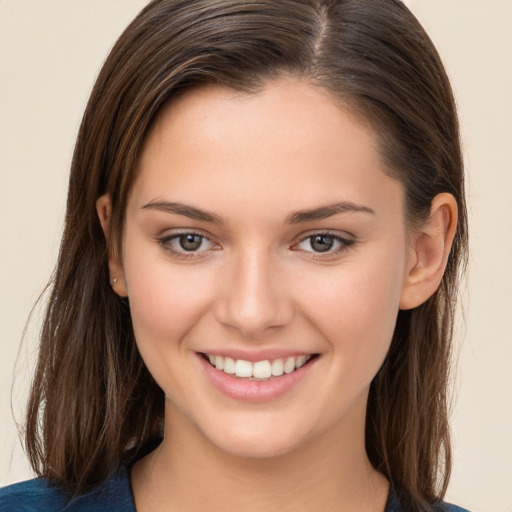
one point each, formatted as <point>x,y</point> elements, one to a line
<point>50,53</point>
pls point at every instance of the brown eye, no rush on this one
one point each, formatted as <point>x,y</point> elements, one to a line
<point>188,245</point>
<point>322,243</point>
<point>190,242</point>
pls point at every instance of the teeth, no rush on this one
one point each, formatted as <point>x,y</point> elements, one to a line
<point>229,365</point>
<point>277,367</point>
<point>219,363</point>
<point>300,361</point>
<point>289,365</point>
<point>260,370</point>
<point>243,368</point>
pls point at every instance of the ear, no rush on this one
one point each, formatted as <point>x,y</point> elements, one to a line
<point>430,248</point>
<point>117,280</point>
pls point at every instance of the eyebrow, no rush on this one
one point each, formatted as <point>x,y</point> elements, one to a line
<point>322,212</point>
<point>184,209</point>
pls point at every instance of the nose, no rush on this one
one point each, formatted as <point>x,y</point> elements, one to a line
<point>254,299</point>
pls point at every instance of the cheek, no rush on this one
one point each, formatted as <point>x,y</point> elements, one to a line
<point>165,300</point>
<point>355,311</point>
<point>166,304</point>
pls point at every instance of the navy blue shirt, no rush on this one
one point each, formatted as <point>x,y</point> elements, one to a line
<point>114,496</point>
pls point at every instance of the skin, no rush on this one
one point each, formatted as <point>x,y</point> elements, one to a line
<point>257,282</point>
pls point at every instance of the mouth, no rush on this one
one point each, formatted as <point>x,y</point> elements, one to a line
<point>260,371</point>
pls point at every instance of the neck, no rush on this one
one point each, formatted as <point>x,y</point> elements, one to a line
<point>330,472</point>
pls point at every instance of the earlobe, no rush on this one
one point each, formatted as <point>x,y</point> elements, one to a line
<point>117,281</point>
<point>429,253</point>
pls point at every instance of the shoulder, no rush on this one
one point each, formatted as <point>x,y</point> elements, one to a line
<point>440,507</point>
<point>32,495</point>
<point>393,505</point>
<point>446,507</point>
<point>39,495</point>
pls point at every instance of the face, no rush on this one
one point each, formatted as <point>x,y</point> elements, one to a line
<point>265,253</point>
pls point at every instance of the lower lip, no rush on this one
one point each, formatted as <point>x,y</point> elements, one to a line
<point>255,391</point>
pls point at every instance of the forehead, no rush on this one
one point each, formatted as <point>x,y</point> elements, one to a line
<point>290,137</point>
<point>286,103</point>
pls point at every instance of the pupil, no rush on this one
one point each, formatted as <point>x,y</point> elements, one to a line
<point>190,242</point>
<point>322,243</point>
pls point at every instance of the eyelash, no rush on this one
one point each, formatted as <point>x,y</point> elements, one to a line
<point>343,245</point>
<point>166,243</point>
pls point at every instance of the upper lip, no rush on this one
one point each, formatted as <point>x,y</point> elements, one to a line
<point>259,355</point>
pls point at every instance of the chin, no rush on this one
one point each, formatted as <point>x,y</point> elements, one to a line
<point>259,441</point>
<point>248,449</point>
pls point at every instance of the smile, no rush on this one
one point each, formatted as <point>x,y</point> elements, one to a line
<point>258,370</point>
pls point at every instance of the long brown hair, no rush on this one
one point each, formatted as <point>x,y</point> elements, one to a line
<point>93,403</point>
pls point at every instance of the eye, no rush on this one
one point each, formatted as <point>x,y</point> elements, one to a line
<point>187,245</point>
<point>324,243</point>
<point>321,243</point>
<point>190,242</point>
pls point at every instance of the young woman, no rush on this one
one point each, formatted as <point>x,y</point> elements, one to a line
<point>253,304</point>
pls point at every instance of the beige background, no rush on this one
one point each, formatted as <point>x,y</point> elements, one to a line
<point>50,52</point>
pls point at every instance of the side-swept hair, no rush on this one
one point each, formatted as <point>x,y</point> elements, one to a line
<point>93,403</point>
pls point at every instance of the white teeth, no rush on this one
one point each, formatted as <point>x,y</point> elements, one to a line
<point>262,370</point>
<point>219,362</point>
<point>229,365</point>
<point>277,367</point>
<point>289,365</point>
<point>259,370</point>
<point>300,361</point>
<point>243,368</point>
